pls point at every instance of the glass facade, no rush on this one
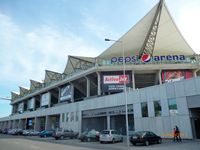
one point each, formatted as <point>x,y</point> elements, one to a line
<point>172,106</point>
<point>157,108</point>
<point>144,109</point>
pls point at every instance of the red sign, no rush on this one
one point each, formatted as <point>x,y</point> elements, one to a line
<point>116,79</point>
<point>176,75</point>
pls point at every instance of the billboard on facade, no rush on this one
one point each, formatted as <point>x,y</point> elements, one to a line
<point>31,103</point>
<point>45,99</point>
<point>65,93</point>
<point>115,82</point>
<point>20,107</point>
<point>175,75</point>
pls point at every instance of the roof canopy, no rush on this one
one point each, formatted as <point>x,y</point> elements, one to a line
<point>35,85</point>
<point>23,91</point>
<point>168,39</point>
<point>51,76</point>
<point>76,63</point>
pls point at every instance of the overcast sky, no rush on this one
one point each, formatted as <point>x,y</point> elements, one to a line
<point>38,35</point>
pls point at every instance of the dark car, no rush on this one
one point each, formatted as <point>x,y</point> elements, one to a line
<point>46,133</point>
<point>145,137</point>
<point>65,134</point>
<point>5,131</point>
<point>88,136</point>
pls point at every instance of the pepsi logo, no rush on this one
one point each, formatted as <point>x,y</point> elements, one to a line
<point>145,58</point>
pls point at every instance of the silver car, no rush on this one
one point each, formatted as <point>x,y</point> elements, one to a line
<point>110,136</point>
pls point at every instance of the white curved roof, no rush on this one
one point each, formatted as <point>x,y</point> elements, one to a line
<point>168,40</point>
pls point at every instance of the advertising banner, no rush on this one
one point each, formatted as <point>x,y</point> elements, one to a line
<point>175,75</point>
<point>65,93</point>
<point>45,99</point>
<point>31,103</point>
<point>115,82</point>
<point>20,107</point>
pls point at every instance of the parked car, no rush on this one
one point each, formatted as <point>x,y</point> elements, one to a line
<point>65,134</point>
<point>145,137</point>
<point>34,133</point>
<point>26,132</point>
<point>5,131</point>
<point>1,130</point>
<point>110,136</point>
<point>88,136</point>
<point>46,133</point>
<point>16,131</point>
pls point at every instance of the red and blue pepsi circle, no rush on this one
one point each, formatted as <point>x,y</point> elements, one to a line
<point>145,58</point>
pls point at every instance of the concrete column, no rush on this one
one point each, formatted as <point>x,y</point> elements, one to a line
<point>21,124</point>
<point>99,83</point>
<point>133,79</point>
<point>88,86</point>
<point>9,124</point>
<point>49,100</point>
<point>47,123</point>
<point>195,72</point>
<point>72,92</point>
<point>80,122</point>
<point>108,122</point>
<point>37,124</point>
<point>58,95</point>
<point>34,104</point>
<point>160,76</point>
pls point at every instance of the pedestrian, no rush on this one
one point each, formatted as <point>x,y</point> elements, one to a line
<point>178,134</point>
<point>174,134</point>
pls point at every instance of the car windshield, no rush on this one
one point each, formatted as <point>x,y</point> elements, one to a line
<point>139,133</point>
<point>105,132</point>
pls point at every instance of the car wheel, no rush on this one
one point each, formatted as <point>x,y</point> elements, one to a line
<point>159,141</point>
<point>88,139</point>
<point>113,141</point>
<point>101,142</point>
<point>147,143</point>
<point>121,139</point>
<point>133,143</point>
<point>62,137</point>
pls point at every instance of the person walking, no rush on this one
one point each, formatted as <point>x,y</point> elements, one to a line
<point>178,134</point>
<point>174,134</point>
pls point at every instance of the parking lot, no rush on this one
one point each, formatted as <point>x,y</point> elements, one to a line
<point>9,142</point>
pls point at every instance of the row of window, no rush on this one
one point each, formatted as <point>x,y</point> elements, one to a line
<point>158,109</point>
<point>70,116</point>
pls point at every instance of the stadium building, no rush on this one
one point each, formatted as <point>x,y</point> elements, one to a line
<point>161,78</point>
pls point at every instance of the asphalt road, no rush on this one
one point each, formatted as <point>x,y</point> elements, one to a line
<point>8,142</point>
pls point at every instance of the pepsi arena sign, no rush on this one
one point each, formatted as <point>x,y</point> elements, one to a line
<point>147,58</point>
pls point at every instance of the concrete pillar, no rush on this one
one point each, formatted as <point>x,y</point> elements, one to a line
<point>47,123</point>
<point>34,104</point>
<point>21,124</point>
<point>9,124</point>
<point>195,72</point>
<point>108,122</point>
<point>58,95</point>
<point>37,124</point>
<point>133,79</point>
<point>99,83</point>
<point>88,86</point>
<point>72,92</point>
<point>80,122</point>
<point>160,76</point>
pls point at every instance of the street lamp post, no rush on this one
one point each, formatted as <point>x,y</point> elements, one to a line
<point>125,90</point>
<point>3,98</point>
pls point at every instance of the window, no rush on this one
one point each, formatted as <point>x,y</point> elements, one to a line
<point>77,116</point>
<point>63,117</point>
<point>72,116</point>
<point>157,108</point>
<point>144,109</point>
<point>67,117</point>
<point>172,106</point>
